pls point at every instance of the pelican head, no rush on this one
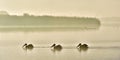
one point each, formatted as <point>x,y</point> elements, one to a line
<point>79,45</point>
<point>53,45</point>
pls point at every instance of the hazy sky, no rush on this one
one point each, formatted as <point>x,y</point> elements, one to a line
<point>99,8</point>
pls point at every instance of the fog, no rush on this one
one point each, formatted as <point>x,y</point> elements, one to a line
<point>94,8</point>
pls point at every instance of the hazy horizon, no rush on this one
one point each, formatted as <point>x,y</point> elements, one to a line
<point>83,8</point>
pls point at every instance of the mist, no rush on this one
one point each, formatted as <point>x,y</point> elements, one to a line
<point>91,8</point>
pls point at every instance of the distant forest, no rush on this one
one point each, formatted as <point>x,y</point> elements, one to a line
<point>47,21</point>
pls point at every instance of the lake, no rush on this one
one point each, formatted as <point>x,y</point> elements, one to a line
<point>104,43</point>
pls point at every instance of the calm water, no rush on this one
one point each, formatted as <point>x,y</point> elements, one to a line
<point>104,44</point>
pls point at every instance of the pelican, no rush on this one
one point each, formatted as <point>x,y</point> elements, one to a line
<point>28,46</point>
<point>56,47</point>
<point>82,46</point>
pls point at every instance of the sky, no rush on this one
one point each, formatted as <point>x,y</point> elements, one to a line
<point>83,8</point>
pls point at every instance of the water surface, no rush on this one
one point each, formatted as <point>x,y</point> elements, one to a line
<point>104,44</point>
